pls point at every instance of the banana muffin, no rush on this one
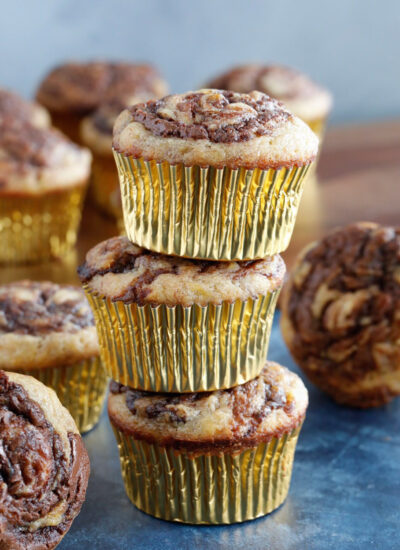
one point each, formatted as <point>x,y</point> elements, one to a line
<point>215,457</point>
<point>341,314</point>
<point>212,175</point>
<point>172,324</point>
<point>73,90</point>
<point>47,331</point>
<point>43,178</point>
<point>301,95</point>
<point>14,106</point>
<point>45,466</point>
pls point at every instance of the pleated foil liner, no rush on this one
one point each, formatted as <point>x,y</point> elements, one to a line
<point>209,213</point>
<point>183,349</point>
<point>81,388</point>
<point>38,227</point>
<point>207,489</point>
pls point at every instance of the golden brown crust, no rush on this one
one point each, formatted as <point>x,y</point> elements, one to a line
<point>341,314</point>
<point>82,87</point>
<point>221,421</point>
<point>122,271</point>
<point>44,472</point>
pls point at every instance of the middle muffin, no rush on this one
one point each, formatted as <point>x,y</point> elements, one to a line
<point>168,324</point>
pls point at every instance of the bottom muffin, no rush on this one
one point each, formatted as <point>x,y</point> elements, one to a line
<point>215,457</point>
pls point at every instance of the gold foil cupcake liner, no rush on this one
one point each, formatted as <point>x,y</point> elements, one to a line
<point>38,227</point>
<point>81,388</point>
<point>183,349</point>
<point>104,186</point>
<point>207,488</point>
<point>209,213</point>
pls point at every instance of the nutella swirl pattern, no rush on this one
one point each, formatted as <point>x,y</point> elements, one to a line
<point>219,116</point>
<point>41,488</point>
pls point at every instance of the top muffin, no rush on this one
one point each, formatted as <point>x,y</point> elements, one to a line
<point>15,107</point>
<point>215,128</point>
<point>298,92</point>
<point>82,87</point>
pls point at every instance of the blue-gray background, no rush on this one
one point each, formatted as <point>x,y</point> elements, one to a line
<point>351,46</point>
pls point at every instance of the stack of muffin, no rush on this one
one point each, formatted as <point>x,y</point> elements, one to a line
<point>210,183</point>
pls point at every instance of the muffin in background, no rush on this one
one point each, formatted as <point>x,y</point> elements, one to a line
<point>170,324</point>
<point>210,458</point>
<point>301,95</point>
<point>341,314</point>
<point>212,175</point>
<point>73,90</point>
<point>45,466</point>
<point>43,179</point>
<point>47,331</point>
<point>14,106</point>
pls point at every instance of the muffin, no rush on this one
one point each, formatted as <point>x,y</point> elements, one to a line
<point>43,178</point>
<point>96,133</point>
<point>44,465</point>
<point>212,175</point>
<point>303,97</point>
<point>47,331</point>
<point>15,107</point>
<point>341,314</point>
<point>216,457</point>
<point>73,90</point>
<point>177,325</point>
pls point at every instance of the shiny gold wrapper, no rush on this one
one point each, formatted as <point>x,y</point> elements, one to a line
<point>205,488</point>
<point>318,127</point>
<point>104,186</point>
<point>37,227</point>
<point>183,349</point>
<point>81,388</point>
<point>209,213</point>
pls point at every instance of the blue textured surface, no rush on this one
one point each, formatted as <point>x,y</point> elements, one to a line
<point>345,491</point>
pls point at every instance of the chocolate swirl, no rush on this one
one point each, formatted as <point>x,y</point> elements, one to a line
<point>35,308</point>
<point>13,106</point>
<point>82,87</point>
<point>219,116</point>
<point>343,303</point>
<point>41,488</point>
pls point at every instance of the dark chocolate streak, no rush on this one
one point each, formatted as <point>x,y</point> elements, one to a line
<point>268,113</point>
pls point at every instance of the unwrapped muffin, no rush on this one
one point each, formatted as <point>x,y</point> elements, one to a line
<point>173,324</point>
<point>15,107</point>
<point>217,457</point>
<point>211,174</point>
<point>47,331</point>
<point>341,314</point>
<point>44,465</point>
<point>301,95</point>
<point>73,90</point>
<point>43,178</point>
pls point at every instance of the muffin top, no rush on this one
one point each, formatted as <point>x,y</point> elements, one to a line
<point>14,106</point>
<point>215,128</point>
<point>82,87</point>
<point>303,97</point>
<point>43,323</point>
<point>341,308</point>
<point>272,404</point>
<point>120,270</point>
<point>45,466</point>
<point>34,160</point>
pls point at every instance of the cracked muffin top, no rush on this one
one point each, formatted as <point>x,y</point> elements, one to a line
<point>301,95</point>
<point>120,270</point>
<point>215,128</point>
<point>272,404</point>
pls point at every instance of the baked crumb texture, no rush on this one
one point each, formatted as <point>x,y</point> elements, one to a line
<point>341,314</point>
